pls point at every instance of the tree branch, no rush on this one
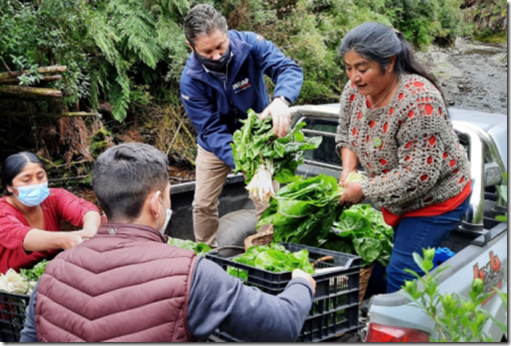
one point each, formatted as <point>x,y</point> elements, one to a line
<point>31,92</point>
<point>41,70</point>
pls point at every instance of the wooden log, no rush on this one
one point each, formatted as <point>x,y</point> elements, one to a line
<point>52,115</point>
<point>31,92</point>
<point>58,180</point>
<point>15,80</point>
<point>41,70</point>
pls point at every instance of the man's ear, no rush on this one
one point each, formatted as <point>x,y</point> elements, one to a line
<point>189,45</point>
<point>154,203</point>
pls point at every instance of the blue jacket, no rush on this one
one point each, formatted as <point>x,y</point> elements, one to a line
<point>214,106</point>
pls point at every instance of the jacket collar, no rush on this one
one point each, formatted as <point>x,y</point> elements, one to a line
<point>124,230</point>
<point>239,49</point>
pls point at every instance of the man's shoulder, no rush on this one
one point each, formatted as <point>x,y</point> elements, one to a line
<point>187,70</point>
<point>245,36</point>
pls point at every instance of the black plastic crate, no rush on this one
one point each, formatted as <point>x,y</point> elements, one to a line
<point>335,307</point>
<point>12,313</point>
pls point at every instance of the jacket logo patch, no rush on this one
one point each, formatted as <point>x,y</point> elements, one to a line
<point>185,97</point>
<point>241,85</point>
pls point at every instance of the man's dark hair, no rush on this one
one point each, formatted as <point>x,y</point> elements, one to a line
<point>13,165</point>
<point>124,175</point>
<point>203,20</point>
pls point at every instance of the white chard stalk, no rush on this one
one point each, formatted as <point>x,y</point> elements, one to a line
<point>261,185</point>
<point>13,282</point>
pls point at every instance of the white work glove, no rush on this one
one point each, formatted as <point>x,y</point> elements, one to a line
<point>280,114</point>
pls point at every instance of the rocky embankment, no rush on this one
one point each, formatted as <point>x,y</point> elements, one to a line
<point>471,75</point>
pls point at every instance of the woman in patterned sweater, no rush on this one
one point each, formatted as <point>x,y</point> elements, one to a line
<point>394,121</point>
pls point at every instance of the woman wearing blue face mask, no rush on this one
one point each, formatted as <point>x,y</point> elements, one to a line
<point>30,215</point>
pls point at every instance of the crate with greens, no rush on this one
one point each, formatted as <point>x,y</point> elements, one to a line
<point>24,281</point>
<point>306,211</point>
<point>263,157</point>
<point>269,269</point>
<point>15,291</point>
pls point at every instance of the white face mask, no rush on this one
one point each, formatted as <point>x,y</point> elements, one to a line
<point>168,215</point>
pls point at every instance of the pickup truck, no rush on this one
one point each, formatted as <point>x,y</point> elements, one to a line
<point>479,241</point>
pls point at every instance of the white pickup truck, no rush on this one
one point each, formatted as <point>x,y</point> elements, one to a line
<point>479,242</point>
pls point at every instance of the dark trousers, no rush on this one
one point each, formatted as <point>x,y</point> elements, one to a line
<point>414,234</point>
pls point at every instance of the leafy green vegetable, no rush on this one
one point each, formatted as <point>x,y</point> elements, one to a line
<point>304,210</point>
<point>36,272</point>
<point>362,230</point>
<point>256,143</point>
<point>198,248</point>
<point>274,258</point>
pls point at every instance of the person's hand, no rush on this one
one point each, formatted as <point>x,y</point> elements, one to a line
<point>71,239</point>
<point>281,116</point>
<point>88,233</point>
<point>352,194</point>
<point>298,273</point>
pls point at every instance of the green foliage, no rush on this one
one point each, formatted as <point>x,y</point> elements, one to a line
<point>423,21</point>
<point>274,258</point>
<point>362,230</point>
<point>256,142</point>
<point>110,48</point>
<point>198,248</point>
<point>502,192</point>
<point>489,19</point>
<point>303,211</point>
<point>36,272</point>
<point>456,318</point>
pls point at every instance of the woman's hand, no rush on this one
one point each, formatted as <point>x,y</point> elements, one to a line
<point>72,239</point>
<point>349,163</point>
<point>353,194</point>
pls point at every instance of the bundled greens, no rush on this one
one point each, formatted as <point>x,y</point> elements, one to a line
<point>25,281</point>
<point>361,230</point>
<point>262,156</point>
<point>36,272</point>
<point>274,258</point>
<point>12,282</point>
<point>303,211</point>
<point>198,248</point>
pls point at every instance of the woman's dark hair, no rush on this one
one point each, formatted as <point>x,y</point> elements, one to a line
<point>13,165</point>
<point>378,42</point>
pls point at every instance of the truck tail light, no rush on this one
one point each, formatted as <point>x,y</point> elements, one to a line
<point>381,333</point>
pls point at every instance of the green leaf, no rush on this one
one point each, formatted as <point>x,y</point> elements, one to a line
<point>256,141</point>
<point>367,248</point>
<point>419,261</point>
<point>198,248</point>
<point>501,218</point>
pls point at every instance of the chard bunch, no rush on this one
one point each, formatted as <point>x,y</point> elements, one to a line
<point>261,185</point>
<point>12,282</point>
<point>262,156</point>
<point>304,210</point>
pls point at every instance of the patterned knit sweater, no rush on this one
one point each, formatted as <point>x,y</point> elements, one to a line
<point>408,148</point>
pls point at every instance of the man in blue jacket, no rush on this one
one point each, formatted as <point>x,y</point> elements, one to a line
<point>222,79</point>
